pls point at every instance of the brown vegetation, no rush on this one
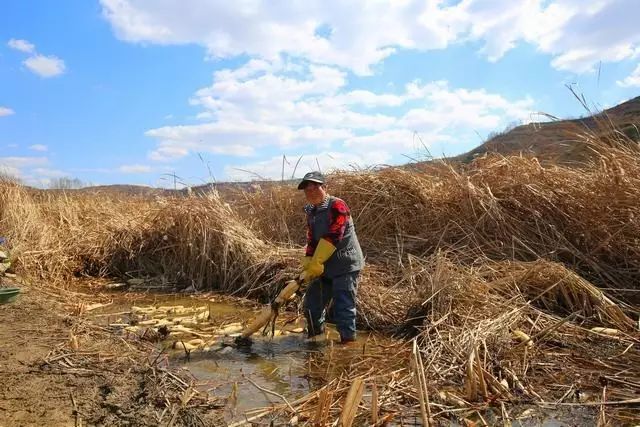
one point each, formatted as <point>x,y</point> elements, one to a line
<point>504,270</point>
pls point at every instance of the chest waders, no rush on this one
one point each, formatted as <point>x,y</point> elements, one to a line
<point>339,280</point>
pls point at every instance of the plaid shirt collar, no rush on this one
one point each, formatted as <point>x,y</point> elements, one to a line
<point>309,208</point>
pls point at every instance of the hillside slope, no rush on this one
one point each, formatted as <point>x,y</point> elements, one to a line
<point>558,141</point>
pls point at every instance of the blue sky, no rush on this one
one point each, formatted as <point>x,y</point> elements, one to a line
<point>128,91</point>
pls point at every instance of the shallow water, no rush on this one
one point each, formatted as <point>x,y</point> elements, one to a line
<point>281,364</point>
<point>277,365</point>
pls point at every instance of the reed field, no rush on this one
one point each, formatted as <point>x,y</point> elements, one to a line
<point>510,282</point>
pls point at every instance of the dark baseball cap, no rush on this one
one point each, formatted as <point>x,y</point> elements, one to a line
<point>313,176</point>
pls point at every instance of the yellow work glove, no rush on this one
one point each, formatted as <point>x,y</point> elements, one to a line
<point>304,262</point>
<point>315,268</point>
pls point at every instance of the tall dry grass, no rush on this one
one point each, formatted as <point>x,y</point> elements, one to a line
<point>274,212</point>
<point>503,208</point>
<point>493,210</point>
<point>181,241</point>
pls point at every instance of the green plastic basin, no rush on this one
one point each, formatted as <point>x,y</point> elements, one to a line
<point>8,295</point>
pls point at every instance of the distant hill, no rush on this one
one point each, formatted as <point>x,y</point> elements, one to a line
<point>557,141</point>
<point>226,188</point>
<point>116,189</point>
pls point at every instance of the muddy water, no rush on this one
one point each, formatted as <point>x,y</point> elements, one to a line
<point>281,364</point>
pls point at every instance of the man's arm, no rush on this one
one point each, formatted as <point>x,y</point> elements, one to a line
<point>339,216</point>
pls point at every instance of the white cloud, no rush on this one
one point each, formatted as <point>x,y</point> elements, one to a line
<point>264,106</point>
<point>580,34</point>
<point>577,34</point>
<point>37,181</point>
<point>38,147</point>
<point>369,99</point>
<point>134,168</point>
<point>360,34</point>
<point>41,176</point>
<point>632,80</point>
<point>42,65</point>
<point>394,141</point>
<point>92,170</point>
<point>447,107</point>
<point>11,171</point>
<point>499,24</point>
<point>22,162</point>
<point>5,111</point>
<point>167,150</point>
<point>48,173</point>
<point>30,170</point>
<point>252,108</point>
<point>45,66</point>
<point>21,45</point>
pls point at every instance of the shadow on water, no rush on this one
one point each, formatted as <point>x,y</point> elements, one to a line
<point>278,365</point>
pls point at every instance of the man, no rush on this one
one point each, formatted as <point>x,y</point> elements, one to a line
<point>333,260</point>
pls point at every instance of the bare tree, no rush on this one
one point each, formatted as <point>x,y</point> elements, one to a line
<point>65,183</point>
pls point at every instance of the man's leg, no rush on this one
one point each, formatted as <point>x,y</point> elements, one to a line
<point>344,305</point>
<point>316,298</point>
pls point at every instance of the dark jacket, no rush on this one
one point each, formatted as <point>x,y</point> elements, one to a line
<point>332,220</point>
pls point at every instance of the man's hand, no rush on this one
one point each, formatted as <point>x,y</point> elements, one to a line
<point>313,271</point>
<point>315,267</point>
<point>304,262</point>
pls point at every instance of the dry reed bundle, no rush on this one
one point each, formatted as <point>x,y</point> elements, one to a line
<point>34,235</point>
<point>57,236</point>
<point>184,241</point>
<point>200,240</point>
<point>505,208</point>
<point>457,313</point>
<point>272,210</point>
<point>380,307</point>
<point>554,288</point>
<point>487,335</point>
<point>203,242</point>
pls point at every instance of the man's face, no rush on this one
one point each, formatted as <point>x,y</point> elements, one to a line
<point>314,192</point>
